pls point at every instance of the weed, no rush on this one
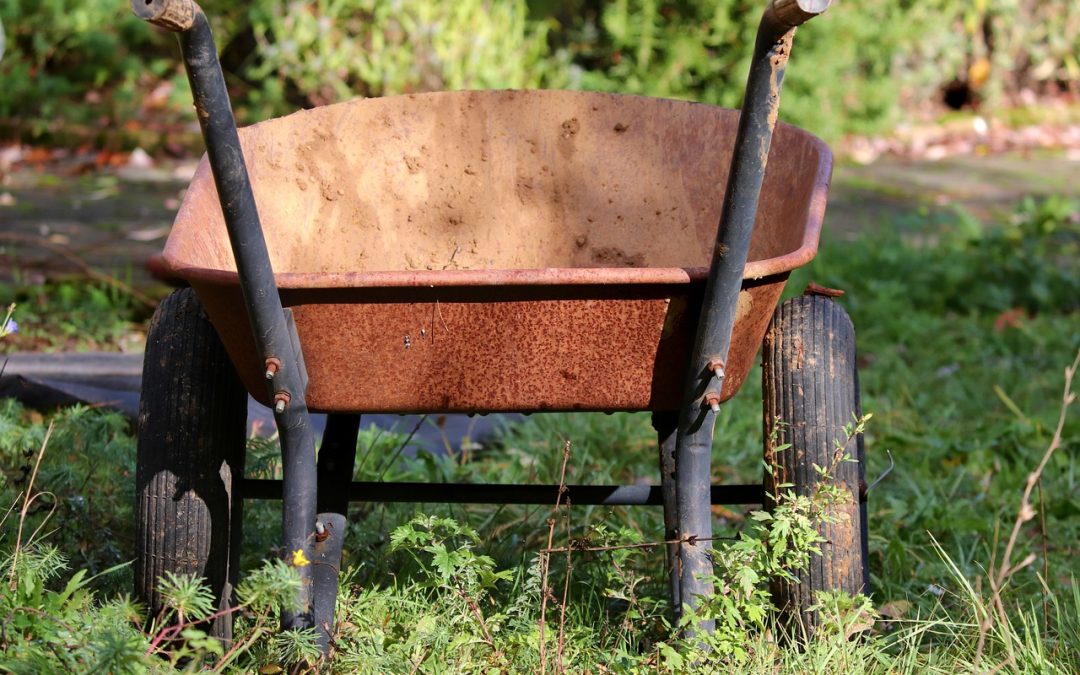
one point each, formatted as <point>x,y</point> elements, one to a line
<point>85,504</point>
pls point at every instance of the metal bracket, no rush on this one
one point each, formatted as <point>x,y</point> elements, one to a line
<point>886,472</point>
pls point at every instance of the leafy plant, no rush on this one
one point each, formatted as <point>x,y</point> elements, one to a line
<point>779,545</point>
<point>85,503</point>
<point>64,629</point>
<point>441,605</point>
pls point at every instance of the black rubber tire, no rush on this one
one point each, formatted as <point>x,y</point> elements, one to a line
<point>810,383</point>
<point>192,425</point>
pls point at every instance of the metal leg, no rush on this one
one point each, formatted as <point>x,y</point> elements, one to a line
<point>335,472</point>
<point>693,457</point>
<point>667,426</point>
<point>298,513</point>
<point>336,457</point>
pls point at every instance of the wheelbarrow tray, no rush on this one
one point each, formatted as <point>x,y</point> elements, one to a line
<point>499,250</point>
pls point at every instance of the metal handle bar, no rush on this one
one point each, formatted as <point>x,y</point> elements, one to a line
<point>273,331</point>
<point>173,15</point>
<point>705,370</point>
<point>793,13</point>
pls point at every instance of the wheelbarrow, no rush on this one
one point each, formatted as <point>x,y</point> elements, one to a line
<point>481,252</point>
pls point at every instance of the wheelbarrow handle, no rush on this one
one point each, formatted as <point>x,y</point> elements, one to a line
<point>173,15</point>
<point>787,14</point>
<point>704,384</point>
<point>178,15</point>
<point>273,332</point>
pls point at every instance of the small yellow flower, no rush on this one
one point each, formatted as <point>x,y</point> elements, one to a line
<point>299,559</point>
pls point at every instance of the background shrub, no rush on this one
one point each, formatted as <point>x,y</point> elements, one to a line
<point>94,72</point>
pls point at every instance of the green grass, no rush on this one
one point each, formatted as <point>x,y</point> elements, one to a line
<point>964,333</point>
<point>75,315</point>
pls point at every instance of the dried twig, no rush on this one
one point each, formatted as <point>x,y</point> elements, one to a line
<point>545,558</point>
<point>420,661</point>
<point>476,614</point>
<point>28,498</point>
<point>566,592</point>
<point>1046,559</point>
<point>241,645</point>
<point>1000,573</point>
<point>170,633</point>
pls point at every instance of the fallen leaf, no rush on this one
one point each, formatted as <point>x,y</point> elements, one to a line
<point>864,622</point>
<point>895,609</point>
<point>1010,318</point>
<point>149,234</point>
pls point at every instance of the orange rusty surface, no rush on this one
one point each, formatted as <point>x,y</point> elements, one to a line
<point>538,249</point>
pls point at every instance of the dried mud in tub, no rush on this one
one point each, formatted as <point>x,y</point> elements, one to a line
<point>446,188</point>
<point>500,182</point>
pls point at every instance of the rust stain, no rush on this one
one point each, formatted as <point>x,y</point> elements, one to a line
<point>843,548</point>
<point>468,355</point>
<point>798,354</point>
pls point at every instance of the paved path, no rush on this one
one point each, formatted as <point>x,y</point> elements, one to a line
<point>986,187</point>
<point>113,221</point>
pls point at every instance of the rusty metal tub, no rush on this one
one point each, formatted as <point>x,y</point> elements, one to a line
<point>497,251</point>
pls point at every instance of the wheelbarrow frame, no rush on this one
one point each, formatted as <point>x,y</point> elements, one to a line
<point>316,492</point>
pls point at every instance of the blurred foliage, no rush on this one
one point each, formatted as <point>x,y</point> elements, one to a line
<point>57,55</point>
<point>75,315</point>
<point>332,50</point>
<point>838,81</point>
<point>1023,266</point>
<point>94,72</point>
<point>861,68</point>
